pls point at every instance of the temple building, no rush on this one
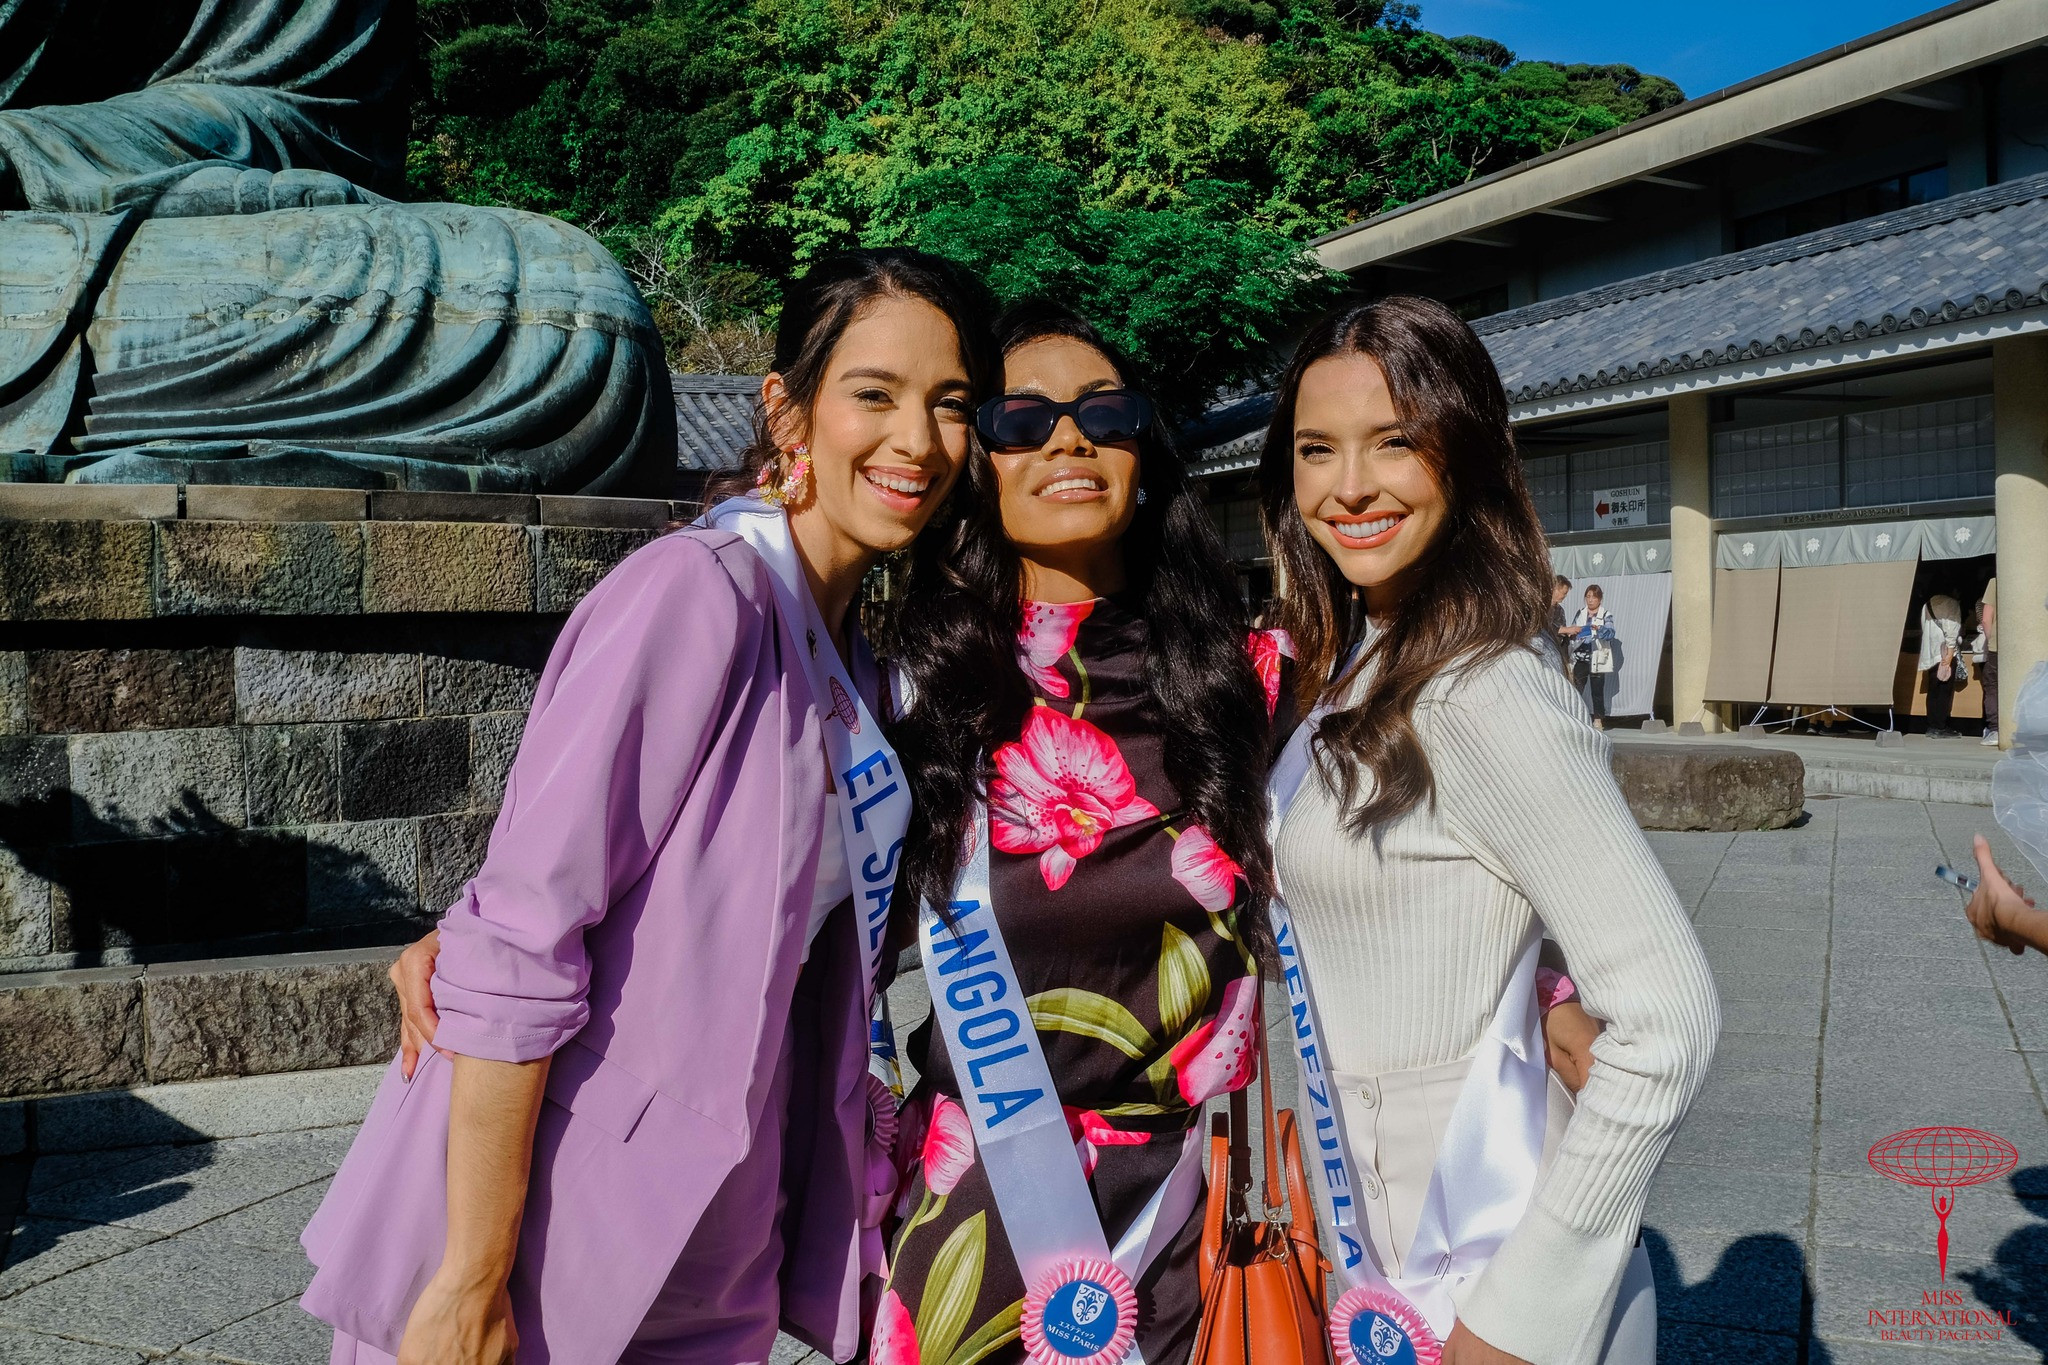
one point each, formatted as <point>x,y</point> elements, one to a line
<point>1778,365</point>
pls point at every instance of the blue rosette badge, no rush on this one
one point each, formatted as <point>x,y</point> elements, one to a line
<point>1374,1327</point>
<point>1082,1311</point>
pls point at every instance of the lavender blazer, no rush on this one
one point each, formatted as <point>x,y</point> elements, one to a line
<point>641,915</point>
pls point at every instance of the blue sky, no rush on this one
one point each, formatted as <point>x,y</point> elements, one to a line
<point>1702,47</point>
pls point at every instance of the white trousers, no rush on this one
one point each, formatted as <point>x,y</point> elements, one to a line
<point>1395,1124</point>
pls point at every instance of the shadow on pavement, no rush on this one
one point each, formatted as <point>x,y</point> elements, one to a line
<point>1759,1282</point>
<point>2017,1280</point>
<point>99,1187</point>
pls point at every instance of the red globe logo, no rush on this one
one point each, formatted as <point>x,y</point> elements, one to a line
<point>1942,1161</point>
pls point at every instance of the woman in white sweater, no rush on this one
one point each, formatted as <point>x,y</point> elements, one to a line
<point>1456,805</point>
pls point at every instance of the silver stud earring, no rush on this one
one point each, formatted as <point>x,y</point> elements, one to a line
<point>1141,497</point>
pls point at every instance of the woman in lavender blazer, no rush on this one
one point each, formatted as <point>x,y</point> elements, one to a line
<point>641,1134</point>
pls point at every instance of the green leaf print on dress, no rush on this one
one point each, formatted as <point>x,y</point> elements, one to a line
<point>951,1288</point>
<point>1183,980</point>
<point>1069,1009</point>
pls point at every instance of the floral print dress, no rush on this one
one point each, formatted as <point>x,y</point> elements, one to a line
<point>1120,920</point>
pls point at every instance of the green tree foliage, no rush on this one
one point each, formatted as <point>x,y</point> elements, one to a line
<point>1159,163</point>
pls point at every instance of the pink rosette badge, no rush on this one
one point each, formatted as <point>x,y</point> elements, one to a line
<point>1378,1327</point>
<point>1082,1311</point>
<point>883,1179</point>
<point>882,1110</point>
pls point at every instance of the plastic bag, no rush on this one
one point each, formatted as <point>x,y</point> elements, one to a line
<point>2019,781</point>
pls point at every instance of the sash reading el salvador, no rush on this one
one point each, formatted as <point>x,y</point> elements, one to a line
<point>871,798</point>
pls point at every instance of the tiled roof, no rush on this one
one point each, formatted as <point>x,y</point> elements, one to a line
<point>1228,437</point>
<point>714,419</point>
<point>1970,255</point>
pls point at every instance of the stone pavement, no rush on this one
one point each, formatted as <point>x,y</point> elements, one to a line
<point>1856,1004</point>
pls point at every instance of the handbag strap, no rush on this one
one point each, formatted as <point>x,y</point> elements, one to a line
<point>1270,1127</point>
<point>1273,1192</point>
<point>1240,1154</point>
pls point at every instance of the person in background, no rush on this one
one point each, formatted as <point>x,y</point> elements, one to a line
<point>1592,635</point>
<point>1941,632</point>
<point>1560,629</point>
<point>1987,628</point>
<point>2000,912</point>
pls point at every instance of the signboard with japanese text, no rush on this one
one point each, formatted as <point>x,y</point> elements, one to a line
<point>1617,508</point>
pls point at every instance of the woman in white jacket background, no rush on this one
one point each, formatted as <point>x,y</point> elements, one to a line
<point>1941,634</point>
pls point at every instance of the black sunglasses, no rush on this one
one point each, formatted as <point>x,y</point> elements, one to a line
<point>1017,421</point>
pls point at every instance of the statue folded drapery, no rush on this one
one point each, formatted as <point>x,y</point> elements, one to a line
<point>267,85</point>
<point>208,286</point>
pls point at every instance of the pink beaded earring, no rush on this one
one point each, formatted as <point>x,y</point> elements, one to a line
<point>791,486</point>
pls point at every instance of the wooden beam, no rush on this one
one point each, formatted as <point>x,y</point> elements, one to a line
<point>1584,213</point>
<point>1779,144</point>
<point>1942,97</point>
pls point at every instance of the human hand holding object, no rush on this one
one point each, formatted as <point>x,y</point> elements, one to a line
<point>2000,912</point>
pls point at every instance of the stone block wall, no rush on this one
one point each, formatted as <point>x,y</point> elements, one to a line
<point>105,1027</point>
<point>237,721</point>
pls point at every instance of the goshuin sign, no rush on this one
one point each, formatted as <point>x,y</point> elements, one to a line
<point>1617,508</point>
<point>1942,1161</point>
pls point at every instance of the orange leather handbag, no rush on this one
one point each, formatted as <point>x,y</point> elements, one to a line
<point>1265,1279</point>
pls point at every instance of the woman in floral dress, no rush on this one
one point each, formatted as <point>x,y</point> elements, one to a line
<point>1121,736</point>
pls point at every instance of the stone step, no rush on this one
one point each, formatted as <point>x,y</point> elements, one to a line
<point>105,1027</point>
<point>189,1111</point>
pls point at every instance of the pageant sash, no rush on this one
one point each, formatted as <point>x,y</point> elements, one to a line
<point>872,800</point>
<point>1485,1172</point>
<point>1080,1307</point>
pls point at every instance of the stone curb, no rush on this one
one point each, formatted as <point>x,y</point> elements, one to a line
<point>190,1111</point>
<point>1901,785</point>
<point>240,502</point>
<point>114,1027</point>
<point>89,502</point>
<point>60,562</point>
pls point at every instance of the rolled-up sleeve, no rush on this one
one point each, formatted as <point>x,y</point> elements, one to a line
<point>632,698</point>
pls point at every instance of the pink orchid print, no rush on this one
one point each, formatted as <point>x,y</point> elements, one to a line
<point>1063,786</point>
<point>948,1147</point>
<point>1218,1057</point>
<point>1091,1131</point>
<point>1267,648</point>
<point>895,1338</point>
<point>1049,631</point>
<point>913,1121</point>
<point>1209,874</point>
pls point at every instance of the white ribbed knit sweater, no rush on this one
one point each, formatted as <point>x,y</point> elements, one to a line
<point>1410,934</point>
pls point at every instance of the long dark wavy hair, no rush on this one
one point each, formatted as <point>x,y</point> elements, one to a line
<point>818,308</point>
<point>1483,585</point>
<point>962,609</point>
